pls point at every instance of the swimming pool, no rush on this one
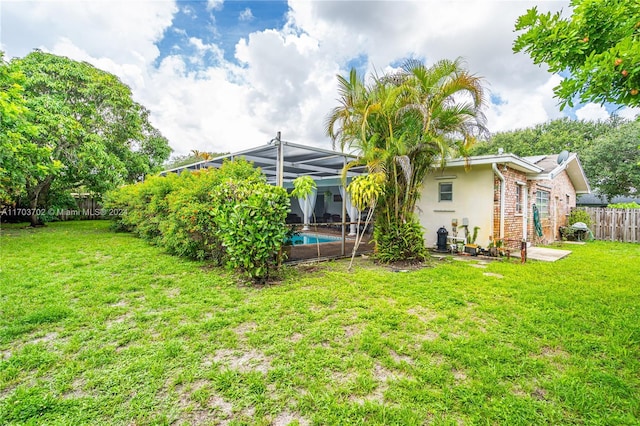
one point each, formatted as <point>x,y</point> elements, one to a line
<point>302,239</point>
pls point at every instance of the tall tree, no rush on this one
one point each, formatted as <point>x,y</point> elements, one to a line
<point>581,137</point>
<point>548,138</point>
<point>401,125</point>
<point>89,121</point>
<point>596,49</point>
<point>22,162</point>
<point>614,161</point>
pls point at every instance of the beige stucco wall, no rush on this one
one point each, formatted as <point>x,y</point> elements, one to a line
<point>472,198</point>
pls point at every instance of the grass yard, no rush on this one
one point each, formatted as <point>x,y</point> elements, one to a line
<point>101,328</point>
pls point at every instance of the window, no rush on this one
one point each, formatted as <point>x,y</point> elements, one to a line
<point>542,202</point>
<point>519,199</point>
<point>445,191</point>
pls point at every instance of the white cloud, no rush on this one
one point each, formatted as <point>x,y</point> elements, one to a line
<point>629,113</point>
<point>214,4</point>
<point>287,77</point>
<point>120,30</point>
<point>592,112</point>
<point>246,15</point>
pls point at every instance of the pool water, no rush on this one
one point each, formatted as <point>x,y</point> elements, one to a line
<point>303,239</point>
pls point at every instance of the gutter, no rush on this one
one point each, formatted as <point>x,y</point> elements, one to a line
<point>502,195</point>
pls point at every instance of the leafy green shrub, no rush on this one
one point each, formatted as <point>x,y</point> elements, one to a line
<point>142,206</point>
<point>579,215</point>
<point>399,242</point>
<point>184,228</point>
<point>230,215</point>
<point>122,200</point>
<point>633,205</point>
<point>153,205</point>
<point>250,217</point>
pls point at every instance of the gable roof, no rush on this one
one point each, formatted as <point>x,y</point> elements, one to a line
<point>551,168</point>
<point>537,167</point>
<point>512,160</point>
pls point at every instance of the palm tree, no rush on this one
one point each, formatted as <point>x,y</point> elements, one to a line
<point>202,155</point>
<point>402,124</point>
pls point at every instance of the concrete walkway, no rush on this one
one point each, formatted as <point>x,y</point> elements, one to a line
<point>543,253</point>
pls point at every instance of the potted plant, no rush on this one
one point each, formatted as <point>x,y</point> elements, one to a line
<point>304,187</point>
<point>471,247</point>
<point>495,247</point>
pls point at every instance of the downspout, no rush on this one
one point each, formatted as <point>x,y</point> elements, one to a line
<point>502,195</point>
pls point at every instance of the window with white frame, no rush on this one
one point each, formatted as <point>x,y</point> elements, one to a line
<point>519,199</point>
<point>445,191</point>
<point>542,202</point>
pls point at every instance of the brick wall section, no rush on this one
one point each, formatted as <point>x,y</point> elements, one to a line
<point>512,219</point>
<point>562,199</point>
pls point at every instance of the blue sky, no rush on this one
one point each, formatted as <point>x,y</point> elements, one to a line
<point>223,25</point>
<point>227,75</point>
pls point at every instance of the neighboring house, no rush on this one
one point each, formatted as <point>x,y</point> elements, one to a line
<point>596,200</point>
<point>497,192</point>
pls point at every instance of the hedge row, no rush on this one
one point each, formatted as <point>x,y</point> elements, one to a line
<point>230,215</point>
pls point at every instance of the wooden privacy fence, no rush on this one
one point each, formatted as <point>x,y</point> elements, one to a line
<point>88,208</point>
<point>615,224</point>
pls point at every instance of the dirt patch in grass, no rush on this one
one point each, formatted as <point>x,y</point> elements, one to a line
<point>243,329</point>
<point>47,338</point>
<point>100,257</point>
<point>77,389</point>
<point>307,268</point>
<point>119,320</point>
<point>401,358</point>
<point>437,359</point>
<point>243,361</point>
<point>407,265</point>
<point>423,314</point>
<point>223,407</point>
<point>492,274</point>
<point>287,417</point>
<point>173,293</point>
<point>296,337</point>
<point>352,330</point>
<point>557,357</point>
<point>459,375</point>
<point>341,377</point>
<point>535,392</point>
<point>383,376</point>
<point>430,336</point>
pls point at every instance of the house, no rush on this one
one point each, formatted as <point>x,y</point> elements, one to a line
<point>493,192</point>
<point>497,193</point>
<point>596,200</point>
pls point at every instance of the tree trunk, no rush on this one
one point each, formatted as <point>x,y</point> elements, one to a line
<point>34,195</point>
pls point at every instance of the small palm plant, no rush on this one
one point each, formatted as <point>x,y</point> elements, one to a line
<point>303,188</point>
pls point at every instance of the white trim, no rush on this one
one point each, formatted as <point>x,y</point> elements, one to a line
<point>514,161</point>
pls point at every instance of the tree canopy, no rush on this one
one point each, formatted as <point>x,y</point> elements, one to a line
<point>596,50</point>
<point>399,125</point>
<point>22,162</point>
<point>548,138</point>
<point>84,124</point>
<point>613,161</point>
<point>607,149</point>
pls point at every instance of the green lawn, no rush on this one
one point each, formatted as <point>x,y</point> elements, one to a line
<point>101,328</point>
